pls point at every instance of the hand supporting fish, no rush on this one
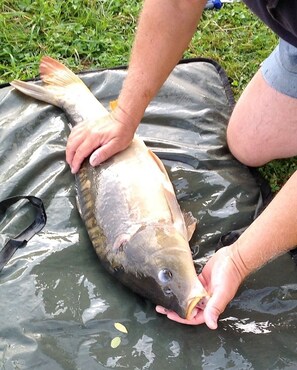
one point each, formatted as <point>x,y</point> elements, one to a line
<point>221,276</point>
<point>128,203</point>
<point>84,137</point>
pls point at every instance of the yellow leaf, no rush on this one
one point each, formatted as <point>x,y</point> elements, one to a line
<point>113,104</point>
<point>115,342</point>
<point>120,327</point>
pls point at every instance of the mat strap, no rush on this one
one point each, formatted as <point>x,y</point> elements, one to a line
<point>22,239</point>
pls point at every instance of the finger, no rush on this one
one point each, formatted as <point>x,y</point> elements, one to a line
<point>215,306</point>
<point>78,135</point>
<point>161,310</point>
<point>104,152</point>
<point>70,152</point>
<point>82,152</point>
<point>211,314</point>
<point>203,280</point>
<point>75,139</point>
<point>196,317</point>
<point>95,158</point>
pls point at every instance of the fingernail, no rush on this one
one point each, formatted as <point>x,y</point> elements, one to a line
<point>161,309</point>
<point>213,324</point>
<point>93,159</point>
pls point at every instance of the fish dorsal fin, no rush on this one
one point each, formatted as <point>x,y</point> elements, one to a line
<point>176,214</point>
<point>191,223</point>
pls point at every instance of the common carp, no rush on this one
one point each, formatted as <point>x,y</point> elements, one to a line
<point>128,204</point>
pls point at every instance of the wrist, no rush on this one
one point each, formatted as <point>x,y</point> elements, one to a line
<point>237,258</point>
<point>127,119</point>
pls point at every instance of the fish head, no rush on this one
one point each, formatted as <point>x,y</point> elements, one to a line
<point>159,266</point>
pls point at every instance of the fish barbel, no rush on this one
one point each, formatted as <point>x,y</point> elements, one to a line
<point>127,203</point>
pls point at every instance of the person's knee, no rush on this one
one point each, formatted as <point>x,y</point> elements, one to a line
<point>262,126</point>
<point>245,149</point>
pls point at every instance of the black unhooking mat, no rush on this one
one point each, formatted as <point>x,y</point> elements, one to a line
<point>59,306</point>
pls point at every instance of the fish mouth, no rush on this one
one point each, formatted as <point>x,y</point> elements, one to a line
<point>198,301</point>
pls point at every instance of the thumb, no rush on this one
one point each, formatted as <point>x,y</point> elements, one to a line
<point>211,316</point>
<point>215,306</point>
<point>102,154</point>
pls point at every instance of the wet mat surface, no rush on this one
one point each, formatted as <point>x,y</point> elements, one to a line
<point>59,306</point>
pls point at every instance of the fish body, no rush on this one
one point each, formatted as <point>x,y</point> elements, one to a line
<point>128,204</point>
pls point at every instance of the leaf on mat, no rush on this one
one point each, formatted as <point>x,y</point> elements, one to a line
<point>116,341</point>
<point>120,327</point>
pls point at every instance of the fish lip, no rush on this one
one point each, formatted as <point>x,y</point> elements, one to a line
<point>194,302</point>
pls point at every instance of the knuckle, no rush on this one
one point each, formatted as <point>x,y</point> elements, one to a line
<point>80,154</point>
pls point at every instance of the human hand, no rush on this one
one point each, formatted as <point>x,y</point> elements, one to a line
<point>221,278</point>
<point>102,139</point>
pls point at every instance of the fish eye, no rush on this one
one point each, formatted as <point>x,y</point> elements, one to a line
<point>165,275</point>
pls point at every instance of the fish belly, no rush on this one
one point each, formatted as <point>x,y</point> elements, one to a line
<point>119,196</point>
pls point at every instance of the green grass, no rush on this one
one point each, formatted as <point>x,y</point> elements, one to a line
<point>84,34</point>
<point>89,34</point>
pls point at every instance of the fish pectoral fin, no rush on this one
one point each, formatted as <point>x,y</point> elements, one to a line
<point>122,239</point>
<point>120,242</point>
<point>191,223</point>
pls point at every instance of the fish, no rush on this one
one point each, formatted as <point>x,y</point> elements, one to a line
<point>128,204</point>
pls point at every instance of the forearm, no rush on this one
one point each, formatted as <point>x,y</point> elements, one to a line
<point>164,31</point>
<point>273,233</point>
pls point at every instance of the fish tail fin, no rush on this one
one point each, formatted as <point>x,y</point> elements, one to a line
<point>61,88</point>
<point>59,82</point>
<point>56,74</point>
<point>36,91</point>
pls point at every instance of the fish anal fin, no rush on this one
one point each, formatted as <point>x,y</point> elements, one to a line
<point>191,223</point>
